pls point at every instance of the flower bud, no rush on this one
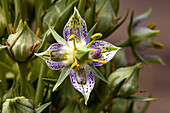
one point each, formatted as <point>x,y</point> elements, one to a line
<point>17,105</point>
<point>2,22</point>
<point>23,43</point>
<point>105,18</point>
<point>130,85</point>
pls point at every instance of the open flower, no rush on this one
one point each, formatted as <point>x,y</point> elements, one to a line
<point>77,53</point>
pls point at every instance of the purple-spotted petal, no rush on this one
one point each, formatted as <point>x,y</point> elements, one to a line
<point>56,56</point>
<point>77,26</point>
<point>103,51</point>
<point>83,81</point>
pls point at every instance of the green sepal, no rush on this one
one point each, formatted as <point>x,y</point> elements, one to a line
<point>42,107</point>
<point>82,53</point>
<point>133,98</point>
<point>65,72</point>
<point>90,33</point>
<point>97,73</point>
<point>56,36</point>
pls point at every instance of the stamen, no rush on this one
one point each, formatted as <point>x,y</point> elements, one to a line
<point>100,61</point>
<point>94,37</point>
<point>72,37</point>
<point>75,65</point>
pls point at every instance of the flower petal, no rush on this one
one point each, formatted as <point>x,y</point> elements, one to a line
<point>77,26</point>
<point>104,51</point>
<point>82,79</point>
<point>56,56</point>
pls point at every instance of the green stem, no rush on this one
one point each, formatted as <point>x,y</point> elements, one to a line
<point>23,75</point>
<point>108,69</point>
<point>7,14</point>
<point>104,102</point>
<point>41,85</point>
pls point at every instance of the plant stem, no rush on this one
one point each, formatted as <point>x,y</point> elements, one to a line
<point>7,15</point>
<point>41,85</point>
<point>23,74</point>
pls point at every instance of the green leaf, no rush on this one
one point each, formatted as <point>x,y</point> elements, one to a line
<point>56,36</point>
<point>117,26</point>
<point>90,33</point>
<point>130,24</point>
<point>141,99</point>
<point>97,73</point>
<point>62,77</point>
<point>42,107</point>
<point>145,107</point>
<point>50,81</point>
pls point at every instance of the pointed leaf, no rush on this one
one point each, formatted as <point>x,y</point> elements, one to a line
<point>145,107</point>
<point>97,73</point>
<point>130,24</point>
<point>50,81</point>
<point>56,36</point>
<point>117,26</point>
<point>42,107</point>
<point>90,33</point>
<point>62,77</point>
<point>141,99</point>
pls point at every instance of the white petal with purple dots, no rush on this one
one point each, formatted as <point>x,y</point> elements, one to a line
<point>77,26</point>
<point>83,81</point>
<point>104,51</point>
<point>57,56</point>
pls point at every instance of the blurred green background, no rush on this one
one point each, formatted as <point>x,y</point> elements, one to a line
<point>154,79</point>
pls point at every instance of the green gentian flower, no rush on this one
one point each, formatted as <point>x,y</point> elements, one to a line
<point>79,54</point>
